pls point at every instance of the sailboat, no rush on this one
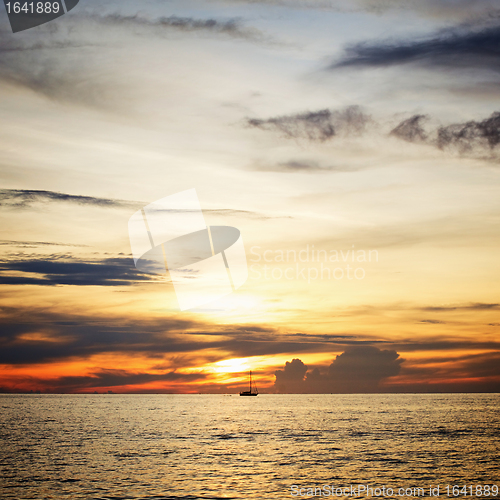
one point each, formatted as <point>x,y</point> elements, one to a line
<point>250,392</point>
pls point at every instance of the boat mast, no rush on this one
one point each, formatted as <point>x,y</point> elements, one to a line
<point>250,381</point>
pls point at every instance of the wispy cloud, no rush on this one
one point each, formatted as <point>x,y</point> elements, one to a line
<point>35,244</point>
<point>468,138</point>
<point>471,138</point>
<point>445,9</point>
<point>317,126</point>
<point>471,372</point>
<point>17,199</point>
<point>411,129</point>
<point>471,135</point>
<point>114,378</point>
<point>457,48</point>
<point>476,306</point>
<point>233,28</point>
<point>50,65</point>
<point>301,166</point>
<point>57,60</point>
<point>230,212</point>
<point>22,198</point>
<point>117,271</point>
<point>440,344</point>
<point>70,336</point>
<point>42,336</point>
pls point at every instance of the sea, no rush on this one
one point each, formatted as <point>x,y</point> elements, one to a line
<point>159,447</point>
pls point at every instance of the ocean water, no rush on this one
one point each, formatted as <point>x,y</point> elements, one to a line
<point>220,446</point>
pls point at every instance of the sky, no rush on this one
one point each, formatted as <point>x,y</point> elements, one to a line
<point>354,145</point>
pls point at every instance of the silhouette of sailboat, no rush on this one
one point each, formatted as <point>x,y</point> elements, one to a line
<point>250,392</point>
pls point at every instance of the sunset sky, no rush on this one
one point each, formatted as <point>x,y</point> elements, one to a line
<point>331,133</point>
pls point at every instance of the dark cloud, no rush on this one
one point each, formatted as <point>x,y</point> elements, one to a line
<point>449,49</point>
<point>411,129</point>
<point>475,306</point>
<point>114,378</point>
<point>119,271</point>
<point>22,198</point>
<point>436,344</point>
<point>58,60</point>
<point>481,365</point>
<point>471,135</point>
<point>316,125</point>
<point>469,138</point>
<point>51,63</point>
<point>362,368</point>
<point>292,375</point>
<point>25,198</point>
<point>474,372</point>
<point>41,336</point>
<point>72,336</point>
<point>176,342</point>
<point>119,380</point>
<point>232,27</point>
<point>301,166</point>
<point>358,369</point>
<point>432,321</point>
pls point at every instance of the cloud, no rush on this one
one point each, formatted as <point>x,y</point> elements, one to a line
<point>449,49</point>
<point>441,9</point>
<point>301,166</point>
<point>471,135</point>
<point>357,369</point>
<point>318,126</point>
<point>44,336</point>
<point>60,60</point>
<point>35,244</point>
<point>411,129</point>
<point>113,378</point>
<point>63,271</point>
<point>22,198</point>
<point>173,343</point>
<point>468,138</point>
<point>39,336</point>
<point>48,62</point>
<point>232,28</point>
<point>474,306</point>
<point>26,198</point>
<point>471,138</point>
<point>230,212</point>
<point>473,372</point>
<point>119,380</point>
<point>364,366</point>
<point>293,374</point>
<point>32,336</point>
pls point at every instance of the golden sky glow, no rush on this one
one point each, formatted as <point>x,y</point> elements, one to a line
<point>372,243</point>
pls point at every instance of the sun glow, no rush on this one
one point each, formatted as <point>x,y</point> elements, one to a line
<point>232,365</point>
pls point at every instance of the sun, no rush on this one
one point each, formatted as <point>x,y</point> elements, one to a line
<point>233,365</point>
